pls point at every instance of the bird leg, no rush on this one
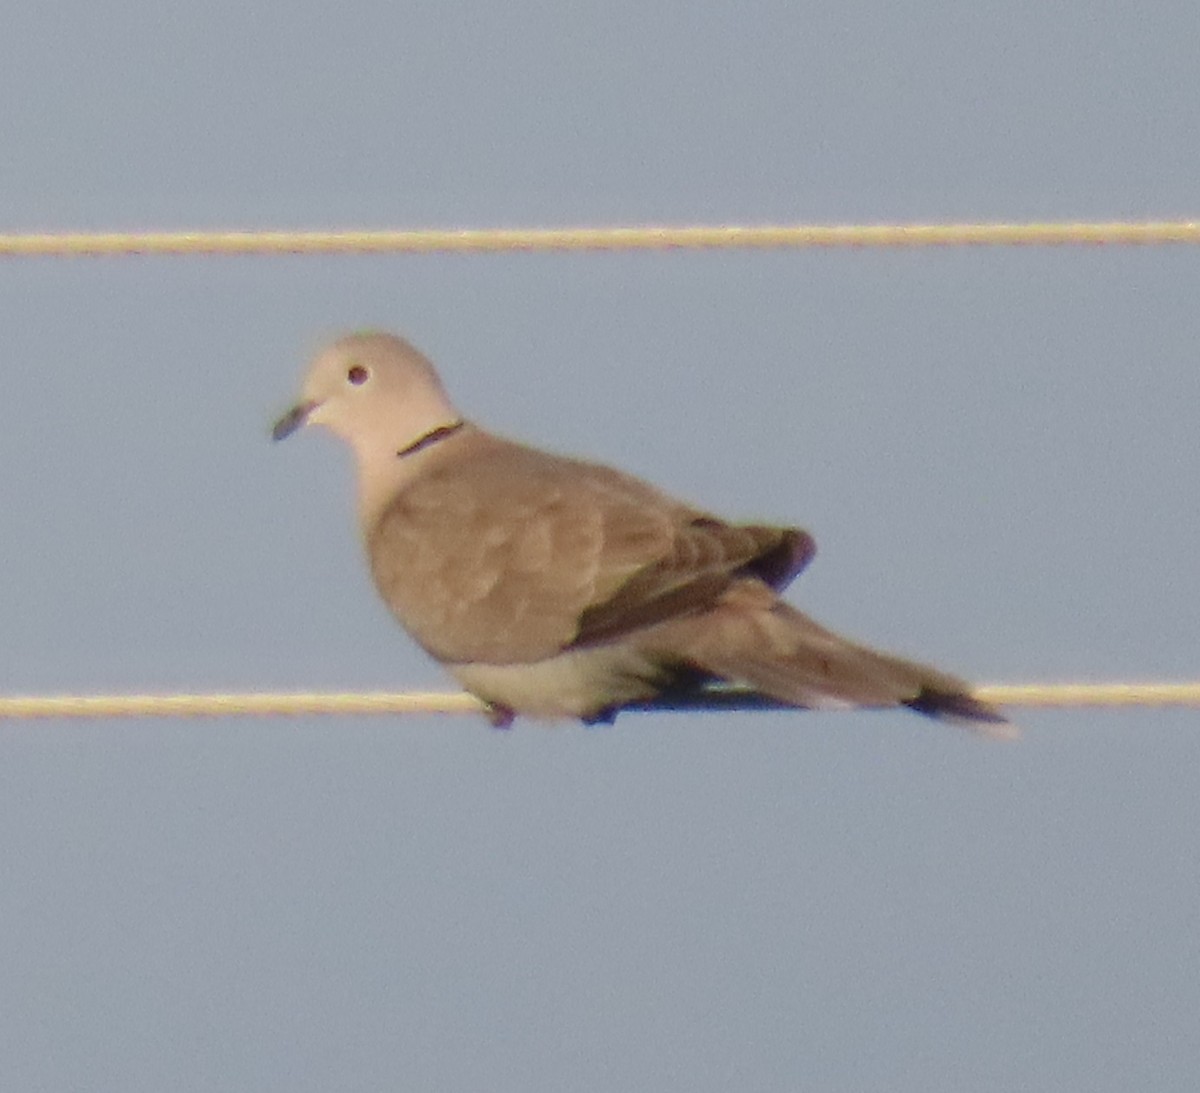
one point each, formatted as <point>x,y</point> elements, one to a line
<point>601,718</point>
<point>500,717</point>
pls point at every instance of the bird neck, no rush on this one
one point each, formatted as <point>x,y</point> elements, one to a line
<point>434,436</point>
<point>384,469</point>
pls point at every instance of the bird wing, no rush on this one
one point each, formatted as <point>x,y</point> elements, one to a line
<point>504,554</point>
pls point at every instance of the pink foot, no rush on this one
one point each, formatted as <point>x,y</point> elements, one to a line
<point>500,717</point>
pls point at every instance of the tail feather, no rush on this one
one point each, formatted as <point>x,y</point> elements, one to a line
<point>754,639</point>
<point>955,706</point>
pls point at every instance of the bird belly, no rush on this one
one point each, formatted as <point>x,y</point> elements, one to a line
<point>580,683</point>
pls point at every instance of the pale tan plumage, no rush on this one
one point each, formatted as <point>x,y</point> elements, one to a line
<point>554,587</point>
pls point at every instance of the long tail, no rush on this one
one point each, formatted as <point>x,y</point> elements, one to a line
<point>754,639</point>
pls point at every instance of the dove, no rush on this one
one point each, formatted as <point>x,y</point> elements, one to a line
<point>552,588</point>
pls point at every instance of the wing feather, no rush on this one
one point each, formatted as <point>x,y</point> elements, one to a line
<point>504,554</point>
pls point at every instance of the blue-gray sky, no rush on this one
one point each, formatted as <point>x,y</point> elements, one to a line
<point>996,451</point>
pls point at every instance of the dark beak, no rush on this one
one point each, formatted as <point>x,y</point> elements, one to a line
<point>292,420</point>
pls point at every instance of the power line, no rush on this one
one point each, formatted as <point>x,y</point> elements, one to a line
<point>696,237</point>
<point>296,704</point>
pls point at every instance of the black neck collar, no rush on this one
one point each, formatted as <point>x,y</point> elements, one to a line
<point>431,437</point>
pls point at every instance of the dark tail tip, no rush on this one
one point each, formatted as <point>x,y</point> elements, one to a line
<point>960,706</point>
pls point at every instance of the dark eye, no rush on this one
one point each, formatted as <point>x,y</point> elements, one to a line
<point>357,375</point>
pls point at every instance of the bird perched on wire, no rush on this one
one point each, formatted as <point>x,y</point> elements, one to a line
<point>553,587</point>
